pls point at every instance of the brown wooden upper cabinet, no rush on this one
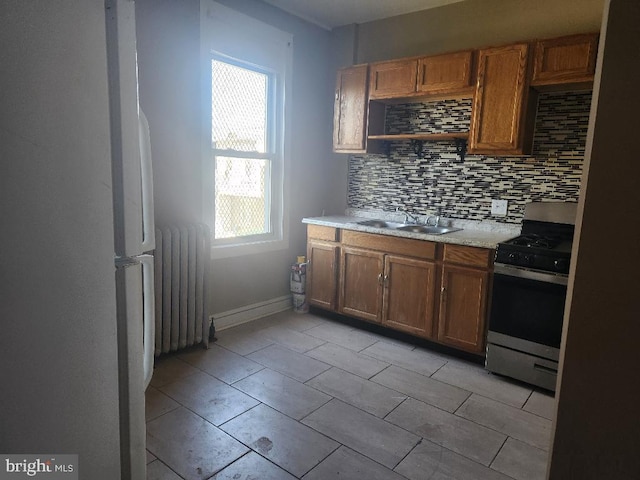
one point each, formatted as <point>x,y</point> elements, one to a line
<point>447,73</point>
<point>504,93</point>
<point>391,79</point>
<point>565,60</point>
<point>501,116</point>
<point>350,110</point>
<point>435,75</point>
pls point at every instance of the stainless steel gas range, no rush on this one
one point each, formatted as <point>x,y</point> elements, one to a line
<point>529,290</point>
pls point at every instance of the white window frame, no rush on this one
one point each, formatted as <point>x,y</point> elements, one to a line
<point>226,33</point>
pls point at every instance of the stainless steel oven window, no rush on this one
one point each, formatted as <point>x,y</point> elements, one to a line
<point>528,308</point>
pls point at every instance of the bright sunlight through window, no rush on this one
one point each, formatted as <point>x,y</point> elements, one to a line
<point>247,66</point>
<point>241,132</point>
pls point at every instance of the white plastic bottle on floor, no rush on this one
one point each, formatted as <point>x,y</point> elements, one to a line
<point>297,285</point>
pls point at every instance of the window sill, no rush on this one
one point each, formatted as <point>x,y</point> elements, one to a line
<point>239,250</point>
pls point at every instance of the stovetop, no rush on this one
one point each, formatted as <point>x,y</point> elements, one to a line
<point>541,246</point>
<point>532,240</point>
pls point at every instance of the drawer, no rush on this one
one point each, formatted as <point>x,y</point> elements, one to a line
<point>471,256</point>
<point>320,232</point>
<point>390,244</point>
<point>528,368</point>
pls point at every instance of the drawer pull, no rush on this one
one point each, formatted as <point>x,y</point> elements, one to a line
<point>544,368</point>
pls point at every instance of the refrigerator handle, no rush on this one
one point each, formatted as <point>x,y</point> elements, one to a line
<point>146,171</point>
<point>149,323</point>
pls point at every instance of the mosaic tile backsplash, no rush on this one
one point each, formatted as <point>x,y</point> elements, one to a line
<point>441,183</point>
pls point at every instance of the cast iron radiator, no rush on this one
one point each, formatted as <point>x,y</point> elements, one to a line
<point>181,275</point>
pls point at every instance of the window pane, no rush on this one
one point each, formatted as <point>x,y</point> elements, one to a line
<point>241,199</point>
<point>239,108</point>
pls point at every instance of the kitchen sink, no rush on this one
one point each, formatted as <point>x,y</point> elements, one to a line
<point>430,229</point>
<point>409,227</point>
<point>380,224</point>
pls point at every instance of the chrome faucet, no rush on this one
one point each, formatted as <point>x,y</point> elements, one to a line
<point>413,218</point>
<point>408,217</point>
<point>436,219</point>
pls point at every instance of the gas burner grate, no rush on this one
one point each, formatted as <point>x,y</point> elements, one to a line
<point>537,241</point>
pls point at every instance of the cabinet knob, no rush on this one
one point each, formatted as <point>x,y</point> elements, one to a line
<point>380,278</point>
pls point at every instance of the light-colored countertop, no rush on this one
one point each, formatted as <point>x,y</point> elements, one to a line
<point>474,234</point>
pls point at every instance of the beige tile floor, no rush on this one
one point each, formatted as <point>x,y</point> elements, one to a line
<point>302,396</point>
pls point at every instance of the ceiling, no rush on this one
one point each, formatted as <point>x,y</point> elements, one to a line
<point>334,13</point>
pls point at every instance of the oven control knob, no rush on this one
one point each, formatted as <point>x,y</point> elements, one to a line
<point>513,256</point>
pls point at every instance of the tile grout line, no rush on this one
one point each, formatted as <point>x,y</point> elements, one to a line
<point>493,429</point>
<point>378,373</point>
<point>165,464</point>
<point>331,397</point>
<point>419,442</point>
<point>328,455</point>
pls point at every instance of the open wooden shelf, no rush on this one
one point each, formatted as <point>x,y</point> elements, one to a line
<point>425,137</point>
<point>380,143</point>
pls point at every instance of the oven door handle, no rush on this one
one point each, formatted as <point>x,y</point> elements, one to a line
<point>511,271</point>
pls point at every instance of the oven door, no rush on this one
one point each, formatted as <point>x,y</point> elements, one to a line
<point>528,305</point>
<point>525,325</point>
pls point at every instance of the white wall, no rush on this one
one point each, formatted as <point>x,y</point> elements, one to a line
<point>474,24</point>
<point>58,357</point>
<point>168,33</point>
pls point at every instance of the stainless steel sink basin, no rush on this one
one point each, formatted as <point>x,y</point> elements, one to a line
<point>380,224</point>
<point>409,227</point>
<point>430,229</point>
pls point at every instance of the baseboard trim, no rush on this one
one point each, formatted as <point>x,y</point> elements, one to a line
<point>249,313</point>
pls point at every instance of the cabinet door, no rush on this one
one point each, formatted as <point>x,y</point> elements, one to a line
<point>350,110</point>
<point>393,79</point>
<point>322,274</point>
<point>565,60</point>
<point>443,74</point>
<point>463,307</point>
<point>361,279</point>
<point>409,295</point>
<point>499,123</point>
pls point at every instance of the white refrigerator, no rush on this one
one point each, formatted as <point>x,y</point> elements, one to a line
<point>76,351</point>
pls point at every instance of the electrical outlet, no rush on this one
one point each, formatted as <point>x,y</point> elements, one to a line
<point>499,208</point>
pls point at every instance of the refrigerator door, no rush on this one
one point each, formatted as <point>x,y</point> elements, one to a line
<point>146,184</point>
<point>132,191</point>
<point>148,316</point>
<point>130,321</point>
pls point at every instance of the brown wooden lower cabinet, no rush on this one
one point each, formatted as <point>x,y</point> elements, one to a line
<point>434,291</point>
<point>409,291</point>
<point>361,279</point>
<point>394,290</point>
<point>463,302</point>
<point>322,273</point>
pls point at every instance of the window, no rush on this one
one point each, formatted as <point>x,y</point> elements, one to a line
<point>247,80</point>
<point>241,132</point>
